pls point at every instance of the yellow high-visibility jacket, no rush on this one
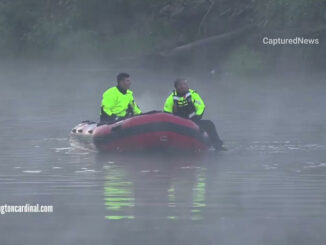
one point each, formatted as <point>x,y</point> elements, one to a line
<point>185,106</point>
<point>116,103</point>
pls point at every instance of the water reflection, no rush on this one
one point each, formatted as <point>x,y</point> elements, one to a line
<point>154,187</point>
<point>119,195</point>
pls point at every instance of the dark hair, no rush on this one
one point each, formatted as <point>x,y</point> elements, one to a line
<point>121,76</point>
<point>178,81</point>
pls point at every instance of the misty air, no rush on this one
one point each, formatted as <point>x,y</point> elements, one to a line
<point>162,122</point>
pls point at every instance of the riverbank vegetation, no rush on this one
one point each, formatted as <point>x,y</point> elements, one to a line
<point>212,34</point>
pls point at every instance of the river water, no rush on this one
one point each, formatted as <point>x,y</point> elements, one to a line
<point>269,188</point>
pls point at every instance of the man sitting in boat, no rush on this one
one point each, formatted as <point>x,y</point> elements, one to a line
<point>187,103</point>
<point>118,102</point>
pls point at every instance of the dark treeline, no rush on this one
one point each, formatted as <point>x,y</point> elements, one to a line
<point>165,30</point>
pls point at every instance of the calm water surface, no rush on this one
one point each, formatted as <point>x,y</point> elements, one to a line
<point>269,188</point>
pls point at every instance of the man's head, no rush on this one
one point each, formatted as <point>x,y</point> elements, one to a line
<point>123,80</point>
<point>181,86</point>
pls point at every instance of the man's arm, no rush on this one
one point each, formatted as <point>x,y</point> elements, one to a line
<point>108,101</point>
<point>198,103</point>
<point>135,107</point>
<point>169,103</point>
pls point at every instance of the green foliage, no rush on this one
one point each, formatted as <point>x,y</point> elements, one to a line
<point>281,14</point>
<point>124,28</point>
<point>17,19</point>
<point>45,35</point>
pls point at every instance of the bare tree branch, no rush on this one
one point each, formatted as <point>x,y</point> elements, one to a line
<point>209,40</point>
<point>205,16</point>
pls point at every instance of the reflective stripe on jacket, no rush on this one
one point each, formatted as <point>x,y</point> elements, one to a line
<point>185,106</point>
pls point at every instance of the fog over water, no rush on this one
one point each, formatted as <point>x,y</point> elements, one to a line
<point>269,188</point>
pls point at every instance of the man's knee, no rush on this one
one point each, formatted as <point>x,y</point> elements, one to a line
<point>208,124</point>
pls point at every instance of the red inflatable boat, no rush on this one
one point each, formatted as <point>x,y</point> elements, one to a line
<point>149,131</point>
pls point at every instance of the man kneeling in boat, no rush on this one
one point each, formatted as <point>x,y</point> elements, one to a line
<point>118,102</point>
<point>186,103</point>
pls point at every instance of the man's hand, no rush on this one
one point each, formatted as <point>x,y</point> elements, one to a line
<point>194,117</point>
<point>114,117</point>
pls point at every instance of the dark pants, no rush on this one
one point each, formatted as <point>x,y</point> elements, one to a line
<point>209,127</point>
<point>106,119</point>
